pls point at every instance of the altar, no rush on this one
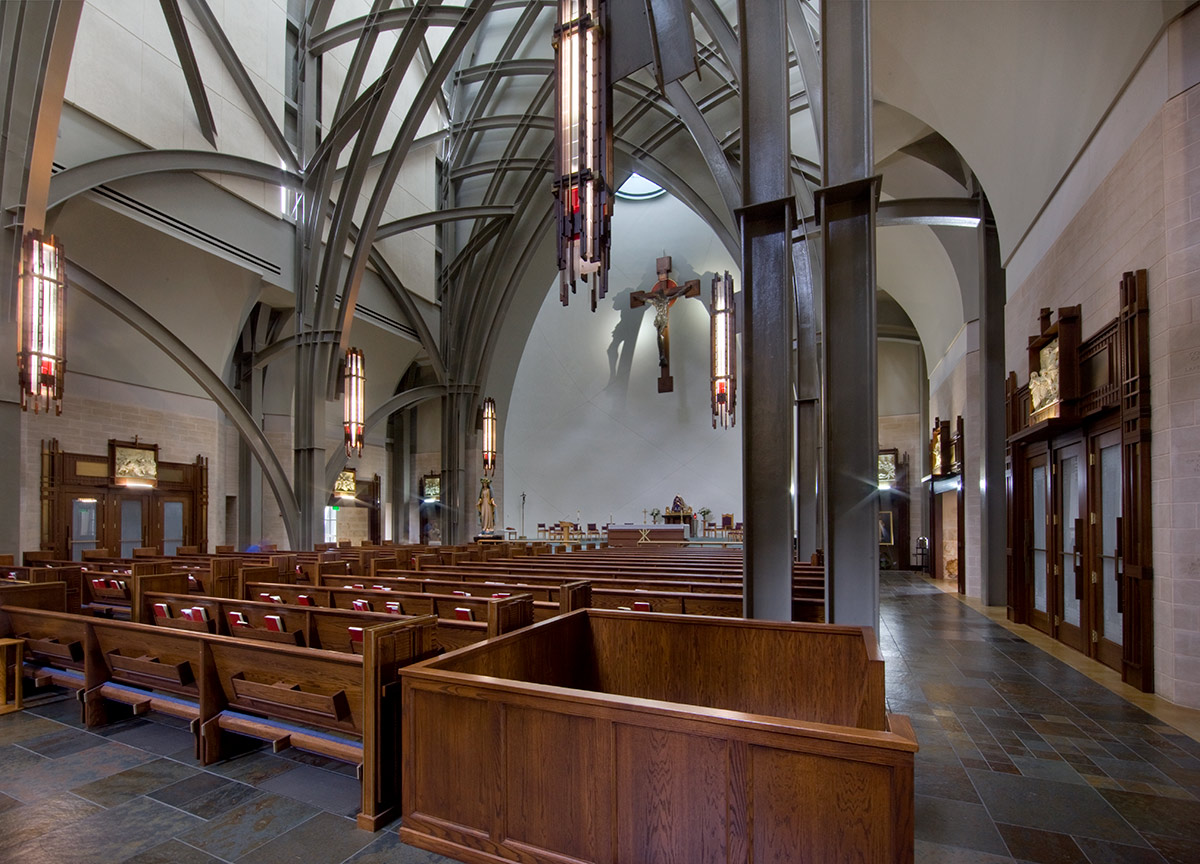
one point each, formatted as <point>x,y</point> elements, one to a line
<point>632,535</point>
<point>688,520</point>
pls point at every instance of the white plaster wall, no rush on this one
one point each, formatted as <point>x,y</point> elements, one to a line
<point>586,431</point>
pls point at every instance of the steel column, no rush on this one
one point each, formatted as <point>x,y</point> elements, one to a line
<point>808,407</point>
<point>847,205</point>
<point>993,512</point>
<point>766,225</point>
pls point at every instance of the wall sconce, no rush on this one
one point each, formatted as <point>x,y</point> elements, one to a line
<point>724,353</point>
<point>353,392</point>
<point>583,146</point>
<point>489,436</point>
<point>487,505</point>
<point>40,361</point>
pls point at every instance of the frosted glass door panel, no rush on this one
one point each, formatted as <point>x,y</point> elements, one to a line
<point>1110,510</point>
<point>172,526</point>
<point>1069,508</point>
<point>131,526</point>
<point>1039,538</point>
<point>83,526</point>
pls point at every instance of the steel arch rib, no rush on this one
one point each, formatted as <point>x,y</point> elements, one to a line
<point>400,401</point>
<point>435,217</point>
<point>477,11</point>
<point>174,347</point>
<point>74,181</point>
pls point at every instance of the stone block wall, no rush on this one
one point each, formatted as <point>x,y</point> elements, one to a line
<point>1146,215</point>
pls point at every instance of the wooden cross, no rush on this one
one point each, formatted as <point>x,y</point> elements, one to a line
<point>662,297</point>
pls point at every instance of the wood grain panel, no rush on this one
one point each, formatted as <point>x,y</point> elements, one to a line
<point>553,801</point>
<point>833,809</point>
<point>449,730</point>
<point>671,793</point>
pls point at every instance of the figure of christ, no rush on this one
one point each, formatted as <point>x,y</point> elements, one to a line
<point>662,297</point>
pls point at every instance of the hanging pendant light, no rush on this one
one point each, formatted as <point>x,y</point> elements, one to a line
<point>40,361</point>
<point>487,504</point>
<point>583,147</point>
<point>724,353</point>
<point>353,393</point>
<point>489,437</point>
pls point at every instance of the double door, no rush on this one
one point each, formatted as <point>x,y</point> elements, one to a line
<point>123,521</point>
<point>1073,561</point>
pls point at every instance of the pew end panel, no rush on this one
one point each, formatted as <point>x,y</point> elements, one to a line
<point>71,574</point>
<point>594,752</point>
<point>386,649</point>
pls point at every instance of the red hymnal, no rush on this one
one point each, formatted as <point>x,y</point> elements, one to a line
<point>356,634</point>
<point>362,605</point>
<point>237,619</point>
<point>641,606</point>
<point>501,594</point>
<point>265,596</point>
<point>199,613</point>
<point>394,607</point>
<point>162,610</point>
<point>462,613</point>
<point>304,600</point>
<point>274,622</point>
<point>461,593</point>
<point>99,583</point>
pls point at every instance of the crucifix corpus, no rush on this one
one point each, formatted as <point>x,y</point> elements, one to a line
<point>662,297</point>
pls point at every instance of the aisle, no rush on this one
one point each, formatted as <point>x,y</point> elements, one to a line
<point>1023,757</point>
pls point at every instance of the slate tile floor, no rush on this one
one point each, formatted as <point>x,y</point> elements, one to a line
<point>1022,758</point>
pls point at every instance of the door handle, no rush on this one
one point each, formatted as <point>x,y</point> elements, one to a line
<point>1077,559</point>
<point>1119,566</point>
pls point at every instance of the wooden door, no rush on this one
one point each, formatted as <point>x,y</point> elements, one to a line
<point>1069,488</point>
<point>1107,604</point>
<point>1042,608</point>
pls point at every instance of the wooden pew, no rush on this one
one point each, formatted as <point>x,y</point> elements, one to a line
<point>341,705</point>
<point>678,602</point>
<point>490,616</point>
<point>762,742</point>
<point>327,627</point>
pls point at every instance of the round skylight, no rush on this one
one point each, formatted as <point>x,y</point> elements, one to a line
<point>638,188</point>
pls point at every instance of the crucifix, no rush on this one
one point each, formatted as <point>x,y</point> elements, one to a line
<point>662,297</point>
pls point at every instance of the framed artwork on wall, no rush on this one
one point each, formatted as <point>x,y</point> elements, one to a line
<point>886,537</point>
<point>133,463</point>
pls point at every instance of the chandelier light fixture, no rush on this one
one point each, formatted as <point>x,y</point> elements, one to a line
<point>724,353</point>
<point>583,147</point>
<point>43,284</point>
<point>353,392</point>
